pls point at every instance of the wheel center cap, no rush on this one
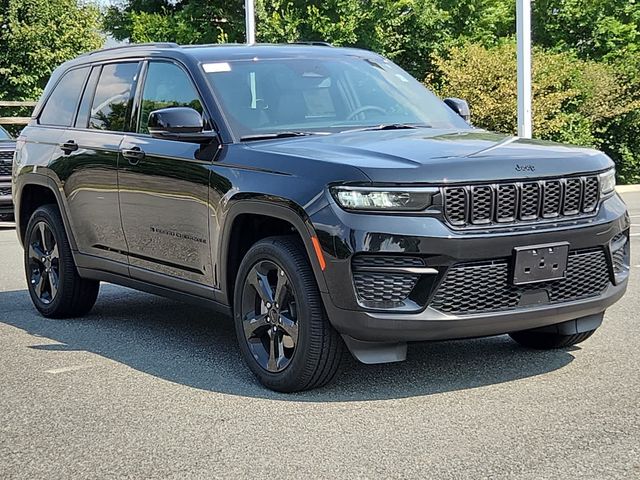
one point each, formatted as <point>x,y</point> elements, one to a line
<point>273,315</point>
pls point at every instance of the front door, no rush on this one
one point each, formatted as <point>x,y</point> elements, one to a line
<point>164,190</point>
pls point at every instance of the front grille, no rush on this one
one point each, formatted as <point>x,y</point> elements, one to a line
<point>5,191</point>
<point>485,286</point>
<point>5,169</point>
<point>382,288</point>
<point>505,203</point>
<point>6,155</point>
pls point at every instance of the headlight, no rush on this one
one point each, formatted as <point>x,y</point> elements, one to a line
<point>384,198</point>
<point>607,182</point>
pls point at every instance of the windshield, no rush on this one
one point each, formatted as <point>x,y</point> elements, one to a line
<point>323,95</point>
<point>4,135</point>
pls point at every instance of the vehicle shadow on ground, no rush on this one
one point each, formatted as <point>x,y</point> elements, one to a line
<point>190,346</point>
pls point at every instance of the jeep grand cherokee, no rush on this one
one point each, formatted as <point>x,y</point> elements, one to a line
<point>321,196</point>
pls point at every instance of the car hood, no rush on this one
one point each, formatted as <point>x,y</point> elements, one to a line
<point>431,155</point>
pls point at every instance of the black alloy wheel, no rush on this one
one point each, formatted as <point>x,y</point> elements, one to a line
<point>43,263</point>
<point>55,287</point>
<point>269,316</point>
<point>284,334</point>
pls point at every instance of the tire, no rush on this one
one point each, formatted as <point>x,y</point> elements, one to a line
<point>548,340</point>
<point>286,318</point>
<point>56,289</point>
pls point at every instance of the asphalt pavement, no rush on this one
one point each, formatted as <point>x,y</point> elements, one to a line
<point>146,387</point>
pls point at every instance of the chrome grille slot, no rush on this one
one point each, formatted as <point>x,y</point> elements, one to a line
<point>456,205</point>
<point>516,202</point>
<point>507,203</point>
<point>529,201</point>
<point>552,198</point>
<point>572,196</point>
<point>481,204</point>
<point>591,191</point>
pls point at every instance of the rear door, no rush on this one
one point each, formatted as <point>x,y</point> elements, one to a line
<point>164,189</point>
<point>88,163</point>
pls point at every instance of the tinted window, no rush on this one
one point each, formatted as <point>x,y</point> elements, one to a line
<point>112,100</point>
<point>166,85</point>
<point>63,101</point>
<point>333,94</point>
<point>82,120</point>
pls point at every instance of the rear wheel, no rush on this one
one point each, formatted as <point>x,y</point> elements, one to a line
<point>284,334</point>
<point>548,340</point>
<point>55,287</point>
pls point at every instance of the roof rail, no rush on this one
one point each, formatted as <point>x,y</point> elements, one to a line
<point>313,42</point>
<point>134,45</point>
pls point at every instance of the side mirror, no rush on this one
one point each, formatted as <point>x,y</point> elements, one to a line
<point>461,107</point>
<point>183,124</point>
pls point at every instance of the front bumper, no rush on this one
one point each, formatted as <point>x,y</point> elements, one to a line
<point>442,247</point>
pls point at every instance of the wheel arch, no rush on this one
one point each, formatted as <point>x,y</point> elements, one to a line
<point>242,215</point>
<point>33,191</point>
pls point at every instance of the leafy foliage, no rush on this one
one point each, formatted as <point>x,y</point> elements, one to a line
<point>35,37</point>
<point>574,101</point>
<point>38,35</point>
<point>186,22</point>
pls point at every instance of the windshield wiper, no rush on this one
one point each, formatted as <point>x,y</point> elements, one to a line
<point>267,136</point>
<point>389,126</point>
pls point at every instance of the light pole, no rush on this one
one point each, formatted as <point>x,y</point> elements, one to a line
<point>250,21</point>
<point>523,34</point>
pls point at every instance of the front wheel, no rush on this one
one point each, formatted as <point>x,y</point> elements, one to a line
<point>55,287</point>
<point>284,334</point>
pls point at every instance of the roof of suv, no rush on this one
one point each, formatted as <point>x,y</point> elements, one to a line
<point>217,52</point>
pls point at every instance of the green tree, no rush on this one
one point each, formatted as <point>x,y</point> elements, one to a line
<point>185,22</point>
<point>38,35</point>
<point>574,101</point>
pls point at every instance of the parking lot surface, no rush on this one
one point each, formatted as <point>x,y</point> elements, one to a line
<point>146,387</point>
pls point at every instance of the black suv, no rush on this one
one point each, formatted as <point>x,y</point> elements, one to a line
<point>321,196</point>
<point>7,146</point>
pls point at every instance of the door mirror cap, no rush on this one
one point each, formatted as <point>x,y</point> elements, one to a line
<point>182,124</point>
<point>461,107</point>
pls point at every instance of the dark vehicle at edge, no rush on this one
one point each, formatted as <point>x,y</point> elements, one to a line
<point>7,147</point>
<point>320,196</point>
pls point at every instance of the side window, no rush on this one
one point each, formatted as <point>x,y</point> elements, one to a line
<point>113,99</point>
<point>166,85</point>
<point>63,101</point>
<point>82,120</point>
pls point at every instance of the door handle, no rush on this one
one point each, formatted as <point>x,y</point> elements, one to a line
<point>69,146</point>
<point>134,155</point>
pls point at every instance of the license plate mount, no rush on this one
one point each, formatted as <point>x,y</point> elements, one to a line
<point>540,263</point>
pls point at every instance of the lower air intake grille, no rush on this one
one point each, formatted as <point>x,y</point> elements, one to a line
<point>384,287</point>
<point>485,286</point>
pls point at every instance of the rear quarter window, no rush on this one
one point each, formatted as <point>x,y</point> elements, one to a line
<point>61,105</point>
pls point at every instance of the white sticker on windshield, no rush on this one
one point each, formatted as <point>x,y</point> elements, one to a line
<point>216,67</point>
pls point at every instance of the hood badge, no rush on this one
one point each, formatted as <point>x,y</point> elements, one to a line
<point>525,168</point>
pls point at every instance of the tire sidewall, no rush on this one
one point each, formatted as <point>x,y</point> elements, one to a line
<point>298,365</point>
<point>43,214</point>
